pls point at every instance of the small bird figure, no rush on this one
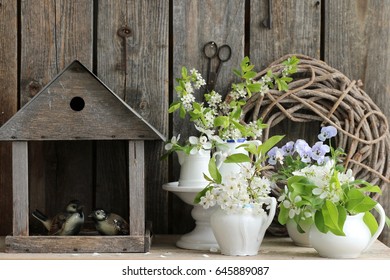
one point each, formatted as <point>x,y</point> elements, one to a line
<point>68,222</point>
<point>109,223</point>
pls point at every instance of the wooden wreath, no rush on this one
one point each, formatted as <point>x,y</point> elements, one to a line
<point>323,94</point>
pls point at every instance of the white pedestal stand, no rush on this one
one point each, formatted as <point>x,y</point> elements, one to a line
<point>201,237</point>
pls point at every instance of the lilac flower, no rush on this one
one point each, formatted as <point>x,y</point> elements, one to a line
<point>327,132</point>
<point>318,151</point>
<point>288,149</point>
<point>275,155</point>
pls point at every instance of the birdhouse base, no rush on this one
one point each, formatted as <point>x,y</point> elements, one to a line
<point>79,244</point>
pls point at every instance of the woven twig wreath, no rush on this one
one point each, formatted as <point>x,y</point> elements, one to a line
<point>321,93</point>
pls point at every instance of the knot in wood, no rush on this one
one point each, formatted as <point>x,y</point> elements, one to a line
<point>124,32</point>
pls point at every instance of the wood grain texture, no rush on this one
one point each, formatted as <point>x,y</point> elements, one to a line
<point>357,42</point>
<point>52,35</point>
<point>8,104</point>
<point>20,188</point>
<point>296,28</point>
<point>137,70</point>
<point>137,187</point>
<point>77,244</point>
<point>196,23</point>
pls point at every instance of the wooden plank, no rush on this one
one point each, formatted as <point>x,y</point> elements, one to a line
<point>8,104</point>
<point>194,24</point>
<point>53,34</point>
<point>296,28</point>
<point>137,187</point>
<point>75,244</point>
<point>357,42</point>
<point>20,188</point>
<point>143,84</point>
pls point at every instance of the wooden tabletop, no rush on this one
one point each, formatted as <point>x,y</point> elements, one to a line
<point>163,247</point>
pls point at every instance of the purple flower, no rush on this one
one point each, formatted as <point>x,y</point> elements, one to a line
<point>275,155</point>
<point>288,149</point>
<point>318,152</point>
<point>327,132</point>
<point>303,150</point>
<point>300,145</point>
<point>305,154</point>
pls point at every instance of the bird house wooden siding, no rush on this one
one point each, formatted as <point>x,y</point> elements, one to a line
<point>75,106</point>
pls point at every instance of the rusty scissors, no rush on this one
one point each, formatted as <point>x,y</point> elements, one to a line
<point>222,54</point>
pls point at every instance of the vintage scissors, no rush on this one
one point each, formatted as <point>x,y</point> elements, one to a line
<point>212,51</point>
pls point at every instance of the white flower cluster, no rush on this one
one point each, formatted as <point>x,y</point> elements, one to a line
<point>239,192</point>
<point>199,81</point>
<point>320,176</point>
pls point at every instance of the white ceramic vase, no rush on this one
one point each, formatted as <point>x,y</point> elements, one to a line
<point>299,238</point>
<point>193,168</point>
<point>357,237</point>
<point>230,147</point>
<point>241,234</point>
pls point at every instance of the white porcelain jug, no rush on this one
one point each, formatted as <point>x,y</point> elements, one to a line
<point>357,237</point>
<point>193,168</point>
<point>241,234</point>
<point>231,147</point>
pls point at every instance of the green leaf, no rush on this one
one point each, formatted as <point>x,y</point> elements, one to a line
<point>254,87</point>
<point>197,106</point>
<point>237,158</point>
<point>182,112</point>
<point>184,72</point>
<point>249,75</point>
<point>251,148</point>
<point>342,216</point>
<point>282,85</point>
<point>358,202</point>
<point>174,106</point>
<point>267,145</point>
<point>388,221</point>
<point>331,218</point>
<point>371,222</point>
<point>283,215</point>
<point>237,72</point>
<point>319,222</point>
<point>222,121</point>
<point>214,172</point>
<point>244,62</point>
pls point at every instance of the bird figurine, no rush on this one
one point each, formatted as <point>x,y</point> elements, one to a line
<point>107,223</point>
<point>68,222</point>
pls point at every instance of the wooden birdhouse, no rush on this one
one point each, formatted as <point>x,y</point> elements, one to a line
<point>77,106</point>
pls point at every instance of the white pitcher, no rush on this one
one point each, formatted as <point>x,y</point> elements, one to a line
<point>241,234</point>
<point>357,237</point>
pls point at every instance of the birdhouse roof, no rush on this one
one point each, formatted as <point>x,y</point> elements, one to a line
<point>76,105</point>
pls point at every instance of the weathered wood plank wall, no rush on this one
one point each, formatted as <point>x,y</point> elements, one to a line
<point>8,103</point>
<point>39,38</point>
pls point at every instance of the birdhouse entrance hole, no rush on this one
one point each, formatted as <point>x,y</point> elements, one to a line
<point>77,103</point>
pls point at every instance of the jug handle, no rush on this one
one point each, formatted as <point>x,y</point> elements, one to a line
<point>272,202</point>
<point>382,218</point>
